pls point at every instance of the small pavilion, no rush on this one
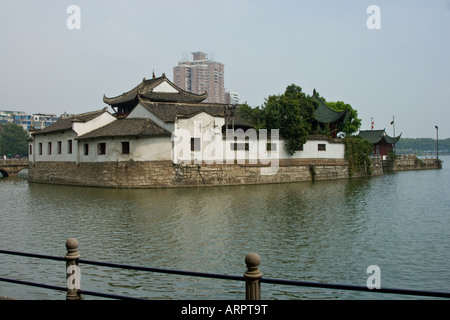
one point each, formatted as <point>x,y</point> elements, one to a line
<point>381,141</point>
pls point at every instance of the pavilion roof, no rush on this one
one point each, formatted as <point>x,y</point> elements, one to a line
<point>375,136</point>
<point>324,114</point>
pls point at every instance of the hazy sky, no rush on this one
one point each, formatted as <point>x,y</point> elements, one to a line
<point>401,70</point>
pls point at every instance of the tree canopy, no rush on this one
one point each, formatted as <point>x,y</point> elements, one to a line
<point>352,124</point>
<point>13,140</point>
<point>291,112</point>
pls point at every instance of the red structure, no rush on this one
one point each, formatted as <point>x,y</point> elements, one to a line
<point>382,143</point>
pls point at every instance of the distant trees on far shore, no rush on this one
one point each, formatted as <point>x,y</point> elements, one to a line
<point>422,145</point>
<point>13,141</point>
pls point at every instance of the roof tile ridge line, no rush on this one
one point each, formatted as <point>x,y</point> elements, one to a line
<point>186,104</point>
<point>329,108</point>
<point>153,122</point>
<point>122,94</point>
<point>148,83</point>
<point>74,117</point>
<point>145,105</point>
<point>96,129</point>
<point>126,92</point>
<point>163,77</point>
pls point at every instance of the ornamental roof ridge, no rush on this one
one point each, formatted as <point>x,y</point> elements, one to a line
<point>144,90</point>
<point>325,114</point>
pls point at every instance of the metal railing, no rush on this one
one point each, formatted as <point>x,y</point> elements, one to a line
<point>252,277</point>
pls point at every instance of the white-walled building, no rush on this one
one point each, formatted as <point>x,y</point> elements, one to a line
<point>158,121</point>
<point>58,142</point>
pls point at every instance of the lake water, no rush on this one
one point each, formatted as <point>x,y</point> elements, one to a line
<point>326,231</point>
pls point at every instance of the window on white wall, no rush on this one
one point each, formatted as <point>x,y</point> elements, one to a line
<point>86,149</point>
<point>125,147</point>
<point>321,147</point>
<point>101,148</point>
<point>195,144</point>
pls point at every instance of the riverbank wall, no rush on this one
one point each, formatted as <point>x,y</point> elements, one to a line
<point>410,163</point>
<point>159,174</point>
<point>163,174</point>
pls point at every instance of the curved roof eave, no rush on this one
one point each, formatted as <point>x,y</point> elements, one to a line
<point>145,90</point>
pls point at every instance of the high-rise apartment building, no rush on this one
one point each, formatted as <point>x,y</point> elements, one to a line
<point>200,75</point>
<point>231,97</point>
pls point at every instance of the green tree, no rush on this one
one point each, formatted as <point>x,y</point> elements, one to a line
<point>13,140</point>
<point>254,115</point>
<point>352,123</point>
<point>291,112</point>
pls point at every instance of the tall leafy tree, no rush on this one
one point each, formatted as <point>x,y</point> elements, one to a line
<point>291,112</point>
<point>352,124</point>
<point>13,140</point>
<point>254,115</point>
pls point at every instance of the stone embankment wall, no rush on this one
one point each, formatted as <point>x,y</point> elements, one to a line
<point>155,174</point>
<point>376,169</point>
<point>404,164</point>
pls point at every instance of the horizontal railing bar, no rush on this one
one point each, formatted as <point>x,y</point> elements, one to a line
<point>85,292</point>
<point>109,295</point>
<point>32,255</point>
<point>357,288</point>
<point>169,271</point>
<point>33,284</point>
<point>227,277</point>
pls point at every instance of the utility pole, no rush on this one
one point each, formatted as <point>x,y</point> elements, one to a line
<point>393,126</point>
<point>437,143</point>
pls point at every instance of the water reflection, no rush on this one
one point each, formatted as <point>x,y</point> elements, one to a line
<point>326,231</point>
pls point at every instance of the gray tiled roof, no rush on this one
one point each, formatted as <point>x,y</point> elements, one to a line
<point>138,127</point>
<point>375,136</point>
<point>169,112</point>
<point>66,122</point>
<point>324,114</point>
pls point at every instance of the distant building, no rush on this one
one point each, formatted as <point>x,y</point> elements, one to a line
<point>231,97</point>
<point>27,121</point>
<point>201,75</point>
<point>382,143</point>
<point>42,120</point>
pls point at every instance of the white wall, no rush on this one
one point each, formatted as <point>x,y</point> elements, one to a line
<point>201,126</point>
<point>141,149</point>
<point>84,127</point>
<point>217,149</point>
<point>78,128</point>
<point>333,150</point>
<point>53,138</point>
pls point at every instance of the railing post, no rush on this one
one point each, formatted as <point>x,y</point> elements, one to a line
<point>73,275</point>
<point>252,277</point>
